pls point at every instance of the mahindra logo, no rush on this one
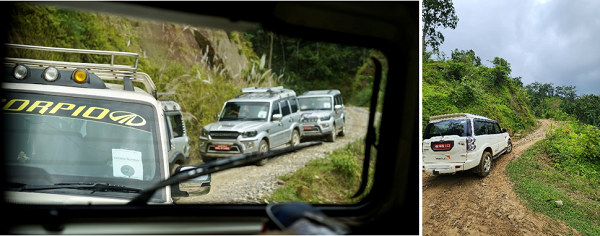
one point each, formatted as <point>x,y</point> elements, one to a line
<point>128,118</point>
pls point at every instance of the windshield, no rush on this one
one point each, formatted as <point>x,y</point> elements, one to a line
<point>448,127</point>
<point>206,68</point>
<point>315,103</point>
<point>257,111</point>
<point>58,139</point>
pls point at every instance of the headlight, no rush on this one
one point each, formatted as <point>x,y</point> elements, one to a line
<point>325,117</point>
<point>51,74</point>
<point>249,134</point>
<point>204,133</point>
<point>21,72</point>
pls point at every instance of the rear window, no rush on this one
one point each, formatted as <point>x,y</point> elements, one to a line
<point>459,127</point>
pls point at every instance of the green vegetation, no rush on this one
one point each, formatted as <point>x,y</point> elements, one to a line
<point>563,167</point>
<point>330,180</point>
<point>310,65</point>
<point>463,85</point>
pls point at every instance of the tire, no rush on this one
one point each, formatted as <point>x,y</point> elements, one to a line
<point>485,165</point>
<point>343,132</point>
<point>173,167</point>
<point>331,137</point>
<point>509,147</point>
<point>263,147</point>
<point>295,138</point>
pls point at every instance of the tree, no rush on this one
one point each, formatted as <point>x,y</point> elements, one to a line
<point>437,13</point>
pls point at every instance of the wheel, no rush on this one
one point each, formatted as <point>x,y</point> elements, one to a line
<point>331,137</point>
<point>295,138</point>
<point>509,147</point>
<point>263,147</point>
<point>173,167</point>
<point>485,164</point>
<point>343,132</point>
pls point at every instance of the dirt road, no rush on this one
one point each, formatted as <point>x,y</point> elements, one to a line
<point>251,184</point>
<point>466,204</point>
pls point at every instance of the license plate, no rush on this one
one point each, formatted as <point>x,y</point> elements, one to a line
<point>222,147</point>
<point>307,127</point>
<point>442,146</point>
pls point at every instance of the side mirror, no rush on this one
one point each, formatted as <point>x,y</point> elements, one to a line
<point>216,116</point>
<point>192,187</point>
<point>277,117</point>
<point>503,130</point>
<point>337,107</point>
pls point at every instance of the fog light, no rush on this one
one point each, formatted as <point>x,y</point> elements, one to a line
<point>249,145</point>
<point>20,72</point>
<point>201,144</point>
<point>51,74</point>
<point>325,125</point>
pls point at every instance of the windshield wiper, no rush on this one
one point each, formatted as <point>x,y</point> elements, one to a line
<point>96,187</point>
<point>212,167</point>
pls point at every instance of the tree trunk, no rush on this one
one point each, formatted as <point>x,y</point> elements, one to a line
<point>282,51</point>
<point>271,51</point>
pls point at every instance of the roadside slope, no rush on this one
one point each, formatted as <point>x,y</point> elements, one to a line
<point>465,204</point>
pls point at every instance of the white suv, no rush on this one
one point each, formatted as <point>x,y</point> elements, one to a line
<point>257,119</point>
<point>462,141</point>
<point>323,114</point>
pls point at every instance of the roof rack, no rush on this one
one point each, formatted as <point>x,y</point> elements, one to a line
<point>265,92</point>
<point>278,89</point>
<point>166,96</point>
<point>110,72</point>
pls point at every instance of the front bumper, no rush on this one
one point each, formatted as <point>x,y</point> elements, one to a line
<point>318,128</point>
<point>208,147</point>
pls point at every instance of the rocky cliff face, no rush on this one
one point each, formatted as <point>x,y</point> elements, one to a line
<point>211,48</point>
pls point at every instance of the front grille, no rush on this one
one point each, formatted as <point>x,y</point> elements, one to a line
<point>307,120</point>
<point>224,134</point>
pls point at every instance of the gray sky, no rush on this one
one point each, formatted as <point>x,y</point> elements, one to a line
<point>549,41</point>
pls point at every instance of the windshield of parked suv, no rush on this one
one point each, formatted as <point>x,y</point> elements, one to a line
<point>447,127</point>
<point>72,140</point>
<point>255,111</point>
<point>315,103</point>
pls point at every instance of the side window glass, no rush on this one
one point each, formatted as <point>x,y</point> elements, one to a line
<point>275,110</point>
<point>337,100</point>
<point>490,128</point>
<point>498,129</point>
<point>176,125</point>
<point>293,105</point>
<point>285,109</point>
<point>480,128</point>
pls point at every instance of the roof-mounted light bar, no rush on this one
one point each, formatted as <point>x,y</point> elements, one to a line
<point>108,72</point>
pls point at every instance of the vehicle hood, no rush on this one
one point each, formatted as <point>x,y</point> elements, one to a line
<point>315,113</point>
<point>234,125</point>
<point>28,198</point>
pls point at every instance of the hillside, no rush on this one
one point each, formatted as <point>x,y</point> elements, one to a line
<point>463,85</point>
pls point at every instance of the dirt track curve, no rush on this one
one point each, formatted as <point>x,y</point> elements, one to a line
<point>466,204</point>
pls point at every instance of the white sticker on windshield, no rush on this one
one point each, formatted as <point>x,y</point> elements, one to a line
<point>127,164</point>
<point>327,105</point>
<point>462,122</point>
<point>262,114</point>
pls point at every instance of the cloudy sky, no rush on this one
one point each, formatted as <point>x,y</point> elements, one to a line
<point>549,41</point>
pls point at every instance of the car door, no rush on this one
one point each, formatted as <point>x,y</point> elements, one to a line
<point>286,120</point>
<point>179,138</point>
<point>501,137</point>
<point>275,131</point>
<point>339,113</point>
<point>483,139</point>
